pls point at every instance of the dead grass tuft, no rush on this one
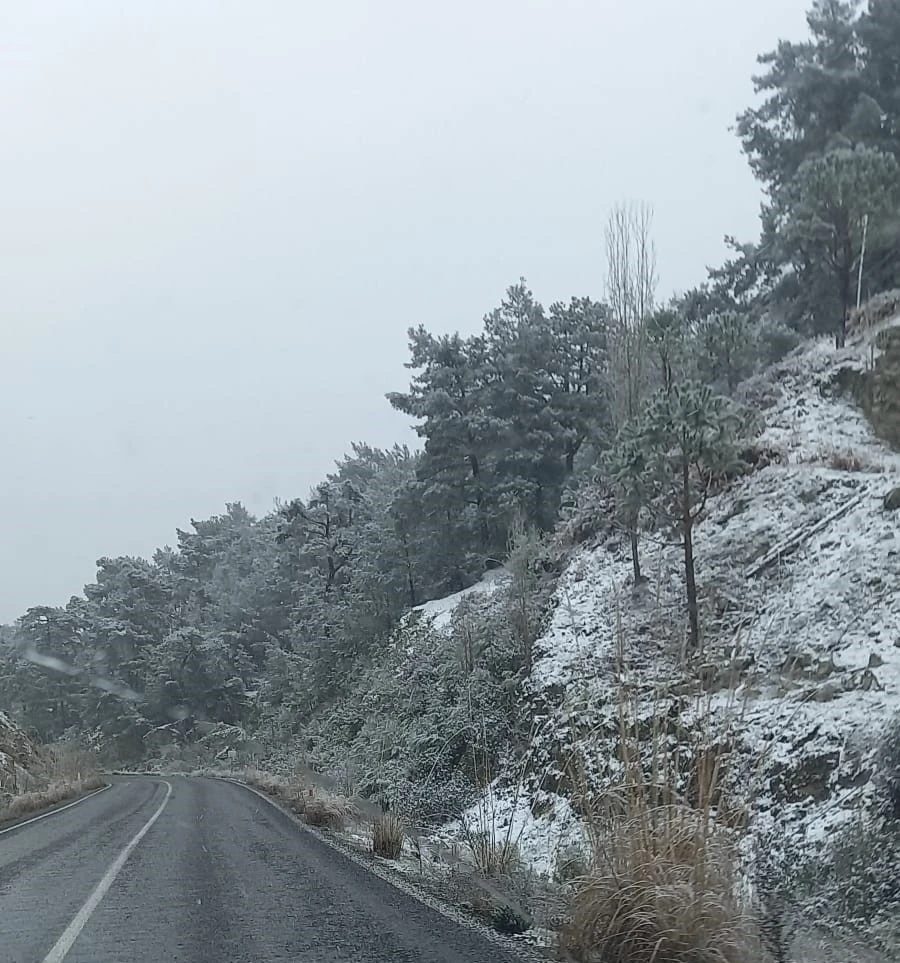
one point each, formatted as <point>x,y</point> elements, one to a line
<point>664,881</point>
<point>845,461</point>
<point>663,889</point>
<point>322,810</point>
<point>494,854</point>
<point>388,835</point>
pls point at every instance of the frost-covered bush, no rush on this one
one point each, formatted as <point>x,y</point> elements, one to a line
<point>433,718</point>
<point>774,340</point>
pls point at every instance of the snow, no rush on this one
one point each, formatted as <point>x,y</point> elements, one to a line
<point>832,605</point>
<point>506,816</point>
<point>440,611</point>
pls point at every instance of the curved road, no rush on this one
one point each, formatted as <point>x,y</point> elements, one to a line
<point>201,871</point>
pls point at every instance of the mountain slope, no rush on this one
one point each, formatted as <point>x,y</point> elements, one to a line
<point>799,673</point>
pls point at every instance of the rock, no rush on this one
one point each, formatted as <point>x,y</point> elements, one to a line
<point>854,779</point>
<point>824,668</point>
<point>868,681</point>
<point>892,500</point>
<point>809,778</point>
<point>826,693</point>
<point>796,664</point>
<point>875,661</point>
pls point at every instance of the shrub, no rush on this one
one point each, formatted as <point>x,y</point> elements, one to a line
<point>388,835</point>
<point>500,906</point>
<point>510,920</point>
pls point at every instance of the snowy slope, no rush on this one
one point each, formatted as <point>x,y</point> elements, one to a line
<point>440,611</point>
<point>801,656</point>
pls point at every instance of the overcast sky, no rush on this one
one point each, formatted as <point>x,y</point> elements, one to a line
<point>218,219</point>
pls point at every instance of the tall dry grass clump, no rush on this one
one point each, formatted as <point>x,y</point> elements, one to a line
<point>664,884</point>
<point>73,765</point>
<point>663,889</point>
<point>388,835</point>
<point>323,810</point>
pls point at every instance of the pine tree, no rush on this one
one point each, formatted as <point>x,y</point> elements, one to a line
<point>812,92</point>
<point>626,465</point>
<point>825,209</point>
<point>690,438</point>
<point>727,351</point>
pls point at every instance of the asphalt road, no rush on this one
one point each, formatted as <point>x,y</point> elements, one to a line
<point>201,871</point>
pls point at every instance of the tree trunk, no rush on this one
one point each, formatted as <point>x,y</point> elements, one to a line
<point>410,580</point>
<point>845,288</point>
<point>635,555</point>
<point>687,523</point>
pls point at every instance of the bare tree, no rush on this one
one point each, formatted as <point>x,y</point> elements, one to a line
<point>630,291</point>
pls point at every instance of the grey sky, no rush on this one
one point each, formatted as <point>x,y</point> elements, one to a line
<point>218,219</point>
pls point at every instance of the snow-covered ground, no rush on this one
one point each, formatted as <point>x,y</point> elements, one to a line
<point>801,656</point>
<point>440,611</point>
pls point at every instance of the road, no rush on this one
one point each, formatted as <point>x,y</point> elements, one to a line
<point>203,871</point>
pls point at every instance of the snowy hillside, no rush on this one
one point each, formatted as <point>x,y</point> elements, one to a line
<point>19,758</point>
<point>798,565</point>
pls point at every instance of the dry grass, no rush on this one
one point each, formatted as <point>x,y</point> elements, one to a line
<point>28,803</point>
<point>845,461</point>
<point>72,763</point>
<point>266,782</point>
<point>323,810</point>
<point>66,771</point>
<point>662,890</point>
<point>663,885</point>
<point>494,855</point>
<point>317,806</point>
<point>388,835</point>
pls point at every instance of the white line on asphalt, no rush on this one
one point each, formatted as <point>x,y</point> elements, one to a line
<point>64,943</point>
<point>53,812</point>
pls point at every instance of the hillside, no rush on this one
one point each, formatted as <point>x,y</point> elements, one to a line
<point>799,672</point>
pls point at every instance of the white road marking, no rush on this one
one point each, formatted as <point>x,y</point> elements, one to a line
<point>65,942</point>
<point>53,812</point>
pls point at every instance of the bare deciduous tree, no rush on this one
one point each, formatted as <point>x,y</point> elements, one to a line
<point>630,291</point>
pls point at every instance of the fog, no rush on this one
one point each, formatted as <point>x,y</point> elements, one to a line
<point>219,219</point>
